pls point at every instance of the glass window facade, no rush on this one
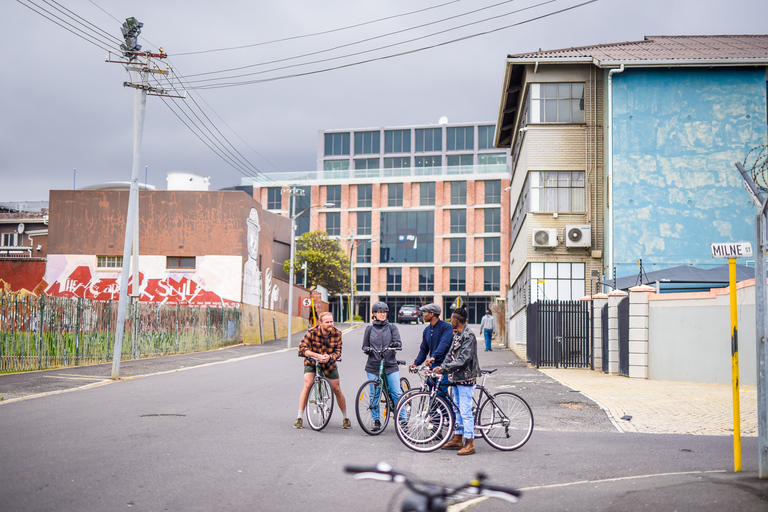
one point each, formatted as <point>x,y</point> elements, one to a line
<point>556,103</point>
<point>397,162</point>
<point>557,281</point>
<point>426,279</point>
<point>336,144</point>
<point>458,192</point>
<point>427,193</point>
<point>367,143</point>
<point>333,195</point>
<point>407,237</point>
<point>493,192</point>
<point>496,159</point>
<point>458,250</point>
<point>395,194</point>
<point>491,279</point>
<point>364,252</point>
<point>458,279</point>
<point>363,223</point>
<point>363,279</point>
<point>493,220</point>
<point>460,161</point>
<point>458,221</point>
<point>274,198</point>
<point>429,139</point>
<point>557,191</point>
<point>492,249</point>
<point>364,196</point>
<point>485,136</point>
<point>333,223</point>
<point>366,163</point>
<point>428,162</point>
<point>397,141</point>
<point>336,165</point>
<point>394,279</point>
<point>460,138</point>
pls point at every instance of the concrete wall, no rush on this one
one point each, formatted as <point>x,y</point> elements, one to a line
<point>275,325</point>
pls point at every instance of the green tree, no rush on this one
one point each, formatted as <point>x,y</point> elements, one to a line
<point>327,264</point>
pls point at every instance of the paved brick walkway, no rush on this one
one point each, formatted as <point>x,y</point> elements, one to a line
<point>664,407</point>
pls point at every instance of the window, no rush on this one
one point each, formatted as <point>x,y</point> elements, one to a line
<point>458,192</point>
<point>185,262</point>
<point>485,136</point>
<point>366,163</point>
<point>394,279</point>
<point>493,220</point>
<point>367,143</point>
<point>363,279</point>
<point>336,144</point>
<point>460,139</point>
<point>397,141</point>
<point>427,191</point>
<point>497,159</point>
<point>395,192</point>
<point>9,240</point>
<point>336,165</point>
<point>274,198</point>
<point>491,279</point>
<point>363,223</point>
<point>492,249</point>
<point>399,162</point>
<point>458,250</point>
<point>493,192</point>
<point>407,236</point>
<point>557,281</point>
<point>458,221</point>
<point>333,195</point>
<point>364,196</point>
<point>428,162</point>
<point>458,279</point>
<point>108,261</point>
<point>364,252</point>
<point>333,223</point>
<point>462,161</point>
<point>426,279</point>
<point>429,139</point>
<point>556,103</point>
<point>557,191</point>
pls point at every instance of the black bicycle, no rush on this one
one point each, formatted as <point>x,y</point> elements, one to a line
<point>430,497</point>
<point>504,419</point>
<point>373,401</point>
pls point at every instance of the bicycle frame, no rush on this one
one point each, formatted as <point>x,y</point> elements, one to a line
<point>477,399</point>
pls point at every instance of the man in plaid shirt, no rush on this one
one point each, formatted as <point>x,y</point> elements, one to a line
<point>323,342</point>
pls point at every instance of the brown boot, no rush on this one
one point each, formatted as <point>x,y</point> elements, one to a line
<point>468,448</point>
<point>455,443</point>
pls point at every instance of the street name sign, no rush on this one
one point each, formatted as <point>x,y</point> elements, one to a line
<point>732,250</point>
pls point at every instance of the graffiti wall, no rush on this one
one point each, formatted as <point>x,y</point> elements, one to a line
<point>215,280</point>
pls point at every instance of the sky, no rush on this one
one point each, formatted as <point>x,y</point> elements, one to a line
<point>66,120</point>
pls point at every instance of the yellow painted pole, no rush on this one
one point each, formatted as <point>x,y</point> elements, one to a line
<point>735,367</point>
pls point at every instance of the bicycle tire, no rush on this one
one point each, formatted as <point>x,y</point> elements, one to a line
<point>320,404</point>
<point>404,385</point>
<point>428,421</point>
<point>506,422</point>
<point>364,407</point>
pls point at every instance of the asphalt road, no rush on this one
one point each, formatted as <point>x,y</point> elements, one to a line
<point>219,437</point>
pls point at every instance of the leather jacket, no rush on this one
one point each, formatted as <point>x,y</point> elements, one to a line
<point>461,363</point>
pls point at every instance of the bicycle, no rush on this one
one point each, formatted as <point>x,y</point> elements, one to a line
<point>320,401</point>
<point>503,419</point>
<point>429,497</point>
<point>375,395</point>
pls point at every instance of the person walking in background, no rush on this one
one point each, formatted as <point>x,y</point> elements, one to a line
<point>378,336</point>
<point>487,327</point>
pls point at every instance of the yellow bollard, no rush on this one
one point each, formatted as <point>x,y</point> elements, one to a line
<point>735,367</point>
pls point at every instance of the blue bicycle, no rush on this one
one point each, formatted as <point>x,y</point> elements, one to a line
<point>373,401</point>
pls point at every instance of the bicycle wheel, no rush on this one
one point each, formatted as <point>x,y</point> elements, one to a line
<point>371,402</point>
<point>506,421</point>
<point>404,385</point>
<point>427,424</point>
<point>320,404</point>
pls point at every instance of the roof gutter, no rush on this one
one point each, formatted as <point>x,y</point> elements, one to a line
<point>641,63</point>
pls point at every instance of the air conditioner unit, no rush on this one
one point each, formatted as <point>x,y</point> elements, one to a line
<point>578,236</point>
<point>545,238</point>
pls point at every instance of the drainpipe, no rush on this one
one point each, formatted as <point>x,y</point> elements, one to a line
<point>608,235</point>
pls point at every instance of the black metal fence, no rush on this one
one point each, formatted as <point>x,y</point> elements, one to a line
<point>49,332</point>
<point>559,334</point>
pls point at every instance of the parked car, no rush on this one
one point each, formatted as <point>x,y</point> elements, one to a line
<point>409,313</point>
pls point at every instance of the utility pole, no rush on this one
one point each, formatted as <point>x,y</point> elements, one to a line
<point>140,71</point>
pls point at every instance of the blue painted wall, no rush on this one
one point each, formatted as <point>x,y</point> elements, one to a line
<point>677,134</point>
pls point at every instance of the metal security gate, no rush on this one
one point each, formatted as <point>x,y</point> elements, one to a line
<point>624,337</point>
<point>604,330</point>
<point>558,334</point>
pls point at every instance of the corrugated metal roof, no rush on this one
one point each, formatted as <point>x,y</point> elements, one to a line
<point>724,47</point>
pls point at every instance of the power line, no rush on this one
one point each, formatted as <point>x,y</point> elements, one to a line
<point>385,57</point>
<point>340,29</point>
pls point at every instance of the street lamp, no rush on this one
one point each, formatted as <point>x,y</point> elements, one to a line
<point>352,245</point>
<point>294,192</point>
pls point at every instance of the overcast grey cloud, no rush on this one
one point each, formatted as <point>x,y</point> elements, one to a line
<point>62,107</point>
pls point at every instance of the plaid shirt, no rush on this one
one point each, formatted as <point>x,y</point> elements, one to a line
<point>314,342</point>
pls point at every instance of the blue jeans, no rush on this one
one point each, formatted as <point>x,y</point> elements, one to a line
<point>465,422</point>
<point>393,379</point>
<point>488,333</point>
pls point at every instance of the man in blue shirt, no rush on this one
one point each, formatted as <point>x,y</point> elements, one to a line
<point>435,342</point>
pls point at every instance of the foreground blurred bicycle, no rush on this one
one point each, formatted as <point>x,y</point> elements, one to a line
<point>503,419</point>
<point>429,497</point>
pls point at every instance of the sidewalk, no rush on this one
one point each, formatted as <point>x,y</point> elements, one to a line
<point>663,407</point>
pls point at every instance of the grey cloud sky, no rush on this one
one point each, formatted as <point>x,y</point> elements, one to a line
<point>63,107</point>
